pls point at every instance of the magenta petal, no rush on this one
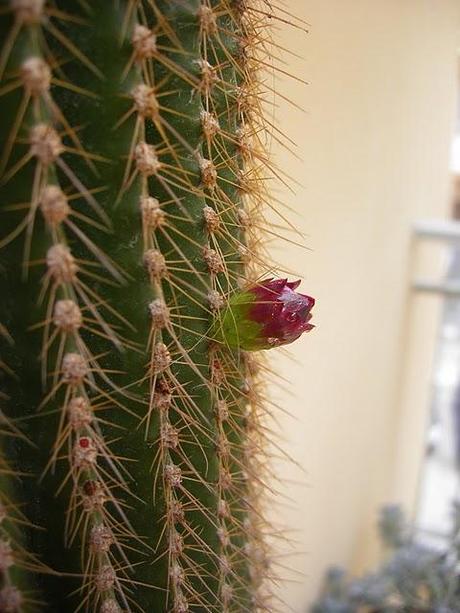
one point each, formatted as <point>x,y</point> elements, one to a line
<point>294,284</point>
<point>275,285</point>
<point>311,301</point>
<point>266,310</point>
<point>269,290</point>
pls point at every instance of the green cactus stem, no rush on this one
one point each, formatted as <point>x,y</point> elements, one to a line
<point>132,195</point>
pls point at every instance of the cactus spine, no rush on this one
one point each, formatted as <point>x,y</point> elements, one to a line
<point>132,202</point>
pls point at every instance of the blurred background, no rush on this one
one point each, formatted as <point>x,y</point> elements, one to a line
<point>374,409</point>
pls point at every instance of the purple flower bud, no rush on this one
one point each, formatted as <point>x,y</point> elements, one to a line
<point>266,315</point>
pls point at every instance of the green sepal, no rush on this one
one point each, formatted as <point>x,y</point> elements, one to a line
<point>233,326</point>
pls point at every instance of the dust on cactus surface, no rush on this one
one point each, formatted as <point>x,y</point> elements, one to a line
<point>133,195</point>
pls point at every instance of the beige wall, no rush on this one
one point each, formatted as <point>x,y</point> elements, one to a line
<point>375,148</point>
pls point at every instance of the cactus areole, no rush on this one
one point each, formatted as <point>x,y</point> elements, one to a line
<point>132,413</point>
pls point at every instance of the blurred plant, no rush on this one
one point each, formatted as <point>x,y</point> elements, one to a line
<point>413,578</point>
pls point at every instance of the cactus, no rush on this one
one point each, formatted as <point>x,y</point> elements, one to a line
<point>132,209</point>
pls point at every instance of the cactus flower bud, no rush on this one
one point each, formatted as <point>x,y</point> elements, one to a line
<point>265,315</point>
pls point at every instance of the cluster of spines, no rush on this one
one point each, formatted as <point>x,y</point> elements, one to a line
<point>15,559</point>
<point>169,479</point>
<point>72,305</point>
<point>221,169</point>
<point>12,555</point>
<point>225,172</point>
<point>254,484</point>
<point>180,421</point>
<point>225,254</point>
<point>11,596</point>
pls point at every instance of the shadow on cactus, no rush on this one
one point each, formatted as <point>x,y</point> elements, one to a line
<point>414,577</point>
<point>133,422</point>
